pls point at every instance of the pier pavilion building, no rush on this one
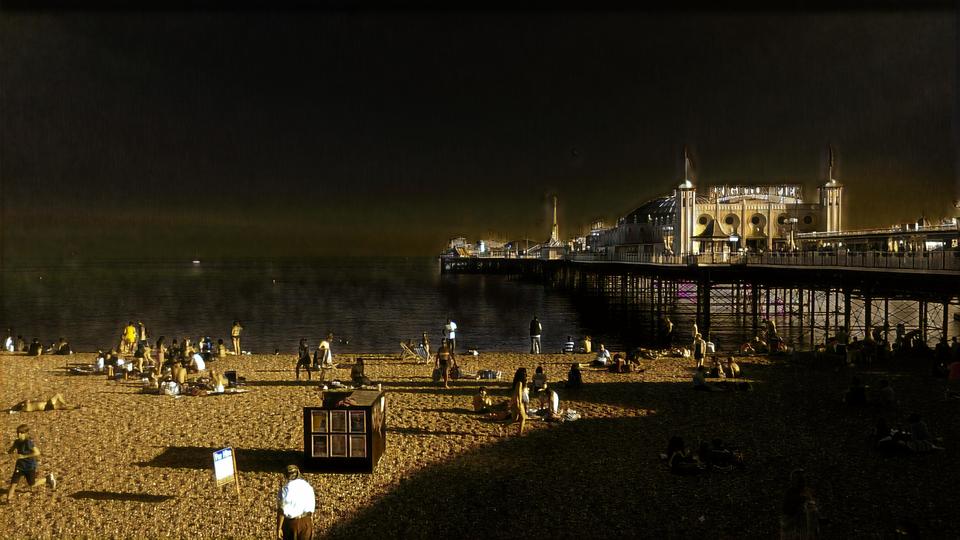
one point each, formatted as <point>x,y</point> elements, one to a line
<point>727,218</point>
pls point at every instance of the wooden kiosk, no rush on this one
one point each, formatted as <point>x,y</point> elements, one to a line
<point>345,438</point>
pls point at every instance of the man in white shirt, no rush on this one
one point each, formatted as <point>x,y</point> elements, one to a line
<point>603,357</point>
<point>535,330</point>
<point>450,331</point>
<point>296,503</point>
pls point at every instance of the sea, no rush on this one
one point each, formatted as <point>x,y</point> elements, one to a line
<point>369,305</point>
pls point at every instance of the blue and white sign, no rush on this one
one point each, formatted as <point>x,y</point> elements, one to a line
<point>224,466</point>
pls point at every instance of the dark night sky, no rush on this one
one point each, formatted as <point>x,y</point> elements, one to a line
<point>310,132</point>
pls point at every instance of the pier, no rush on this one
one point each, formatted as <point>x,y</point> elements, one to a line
<point>809,295</point>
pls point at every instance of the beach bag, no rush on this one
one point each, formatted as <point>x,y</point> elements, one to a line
<point>437,375</point>
<point>455,372</point>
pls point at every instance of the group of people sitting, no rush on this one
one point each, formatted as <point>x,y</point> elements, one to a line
<point>726,370</point>
<point>709,456</point>
<point>517,407</point>
<point>915,439</point>
<point>766,341</point>
<point>34,348</point>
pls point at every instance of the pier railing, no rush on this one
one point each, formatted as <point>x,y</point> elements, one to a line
<point>923,261</point>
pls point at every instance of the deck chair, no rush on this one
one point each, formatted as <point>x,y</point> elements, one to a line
<point>415,353</point>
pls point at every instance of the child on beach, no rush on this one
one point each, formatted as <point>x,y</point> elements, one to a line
<point>26,466</point>
<point>481,401</point>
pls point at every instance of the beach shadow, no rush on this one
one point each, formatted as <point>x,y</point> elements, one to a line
<point>248,459</point>
<point>116,496</point>
<point>586,458</point>
<point>604,477</point>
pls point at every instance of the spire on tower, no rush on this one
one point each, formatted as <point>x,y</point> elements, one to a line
<point>554,231</point>
<point>687,164</point>
<point>830,163</point>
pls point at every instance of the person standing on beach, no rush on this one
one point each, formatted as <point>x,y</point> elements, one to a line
<point>450,333</point>
<point>535,330</point>
<point>141,332</point>
<point>26,466</point>
<point>699,349</point>
<point>667,326</point>
<point>296,503</point>
<point>323,356</point>
<point>425,343</point>
<point>444,361</point>
<point>235,334</point>
<point>303,359</point>
<point>129,339</point>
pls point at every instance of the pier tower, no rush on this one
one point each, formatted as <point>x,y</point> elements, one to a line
<point>831,198</point>
<point>685,211</point>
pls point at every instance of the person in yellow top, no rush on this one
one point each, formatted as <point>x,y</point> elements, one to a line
<point>235,334</point>
<point>129,338</point>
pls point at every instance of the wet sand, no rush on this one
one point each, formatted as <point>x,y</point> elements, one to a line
<point>135,465</point>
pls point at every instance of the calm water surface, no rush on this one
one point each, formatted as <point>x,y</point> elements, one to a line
<point>372,303</point>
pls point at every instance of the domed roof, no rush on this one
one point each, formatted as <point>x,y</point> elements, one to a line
<point>661,207</point>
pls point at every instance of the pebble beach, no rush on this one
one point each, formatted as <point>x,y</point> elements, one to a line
<point>138,465</point>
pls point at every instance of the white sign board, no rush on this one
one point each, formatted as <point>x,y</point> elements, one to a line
<point>224,466</point>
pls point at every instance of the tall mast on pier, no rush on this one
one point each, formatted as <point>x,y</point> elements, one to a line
<point>554,231</point>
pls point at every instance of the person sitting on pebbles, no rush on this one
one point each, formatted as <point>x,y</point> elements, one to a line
<point>603,357</point>
<point>680,459</point>
<point>539,379</point>
<point>732,368</point>
<point>700,381</point>
<point>197,364</point>
<point>481,401</point>
<point>55,403</point>
<point>218,381</point>
<point>549,402</point>
<point>358,375</point>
